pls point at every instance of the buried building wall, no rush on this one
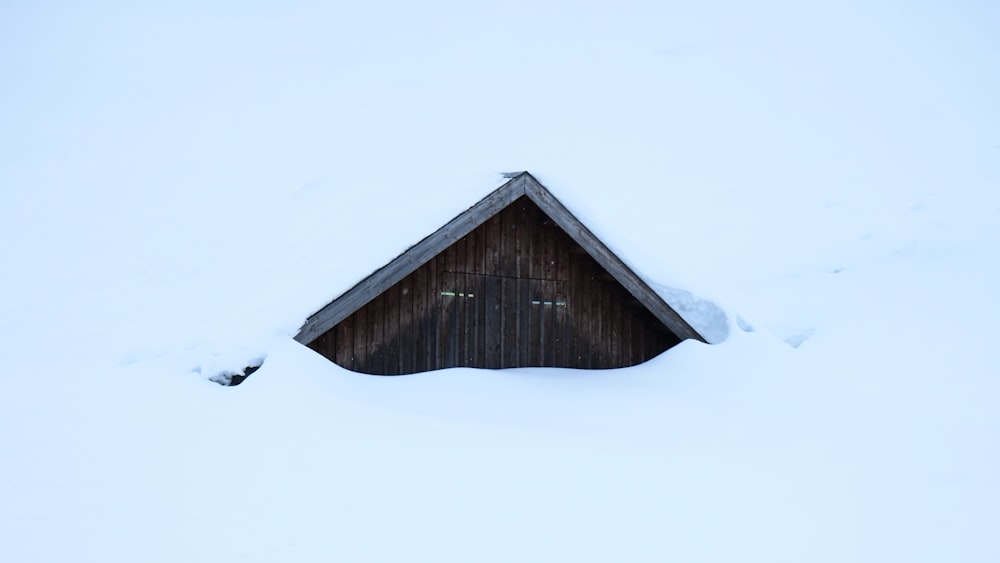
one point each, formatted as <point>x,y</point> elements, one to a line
<point>516,291</point>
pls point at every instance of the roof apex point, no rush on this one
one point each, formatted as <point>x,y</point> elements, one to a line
<point>512,175</point>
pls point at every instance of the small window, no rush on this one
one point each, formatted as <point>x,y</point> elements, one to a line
<point>557,302</point>
<point>458,294</point>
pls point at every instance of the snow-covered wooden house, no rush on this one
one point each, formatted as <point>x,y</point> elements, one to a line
<point>514,281</point>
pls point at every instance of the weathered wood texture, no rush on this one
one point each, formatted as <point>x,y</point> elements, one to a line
<point>404,264</point>
<point>515,291</point>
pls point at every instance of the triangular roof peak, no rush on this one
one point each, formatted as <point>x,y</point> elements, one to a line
<point>519,184</point>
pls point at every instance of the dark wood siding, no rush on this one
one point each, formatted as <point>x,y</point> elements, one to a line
<point>515,292</point>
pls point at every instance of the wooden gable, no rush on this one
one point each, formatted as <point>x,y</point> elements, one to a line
<point>515,281</point>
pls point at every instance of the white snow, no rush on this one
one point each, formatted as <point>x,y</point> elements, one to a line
<point>816,184</point>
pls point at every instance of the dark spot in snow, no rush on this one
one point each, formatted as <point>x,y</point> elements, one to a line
<point>229,378</point>
<point>238,378</point>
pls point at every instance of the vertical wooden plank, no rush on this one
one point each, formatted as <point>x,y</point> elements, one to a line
<point>491,322</point>
<point>499,232</point>
<point>508,287</point>
<point>468,316</point>
<point>643,329</point>
<point>350,344</point>
<point>503,270</point>
<point>480,322</point>
<point>533,312</point>
<point>564,274</point>
<point>657,340</point>
<point>517,309</point>
<point>345,343</point>
<point>638,339</point>
<point>514,234</point>
<point>476,312</point>
<point>578,309</point>
<point>482,299</point>
<point>549,266</point>
<point>474,251</point>
<point>638,347</point>
<point>444,319</point>
<point>457,305</point>
<point>421,299</point>
<point>607,321</point>
<point>522,312</point>
<point>530,234</point>
<point>541,232</point>
<point>376,320</point>
<point>614,324</point>
<point>418,299</point>
<point>461,249</point>
<point>543,273</point>
<point>508,313</point>
<point>542,336</point>
<point>383,330</point>
<point>529,271</point>
<point>561,311</point>
<point>361,335</point>
<point>644,341</point>
<point>635,330</point>
<point>569,349</point>
<point>552,257</point>
<point>434,304</point>
<point>464,337</point>
<point>654,336</point>
<point>538,312</point>
<point>447,302</point>
<point>510,245</point>
<point>454,313</point>
<point>404,334</point>
<point>655,345</point>
<point>491,247</point>
<point>460,327</point>
<point>649,341</point>
<point>390,331</point>
<point>431,305</point>
<point>552,332</point>
<point>543,323</point>
<point>523,257</point>
<point>628,316</point>
<point>361,339</point>
<point>652,341</point>
<point>493,269</point>
<point>555,320</point>
<point>596,338</point>
<point>581,313</point>
<point>469,305</point>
